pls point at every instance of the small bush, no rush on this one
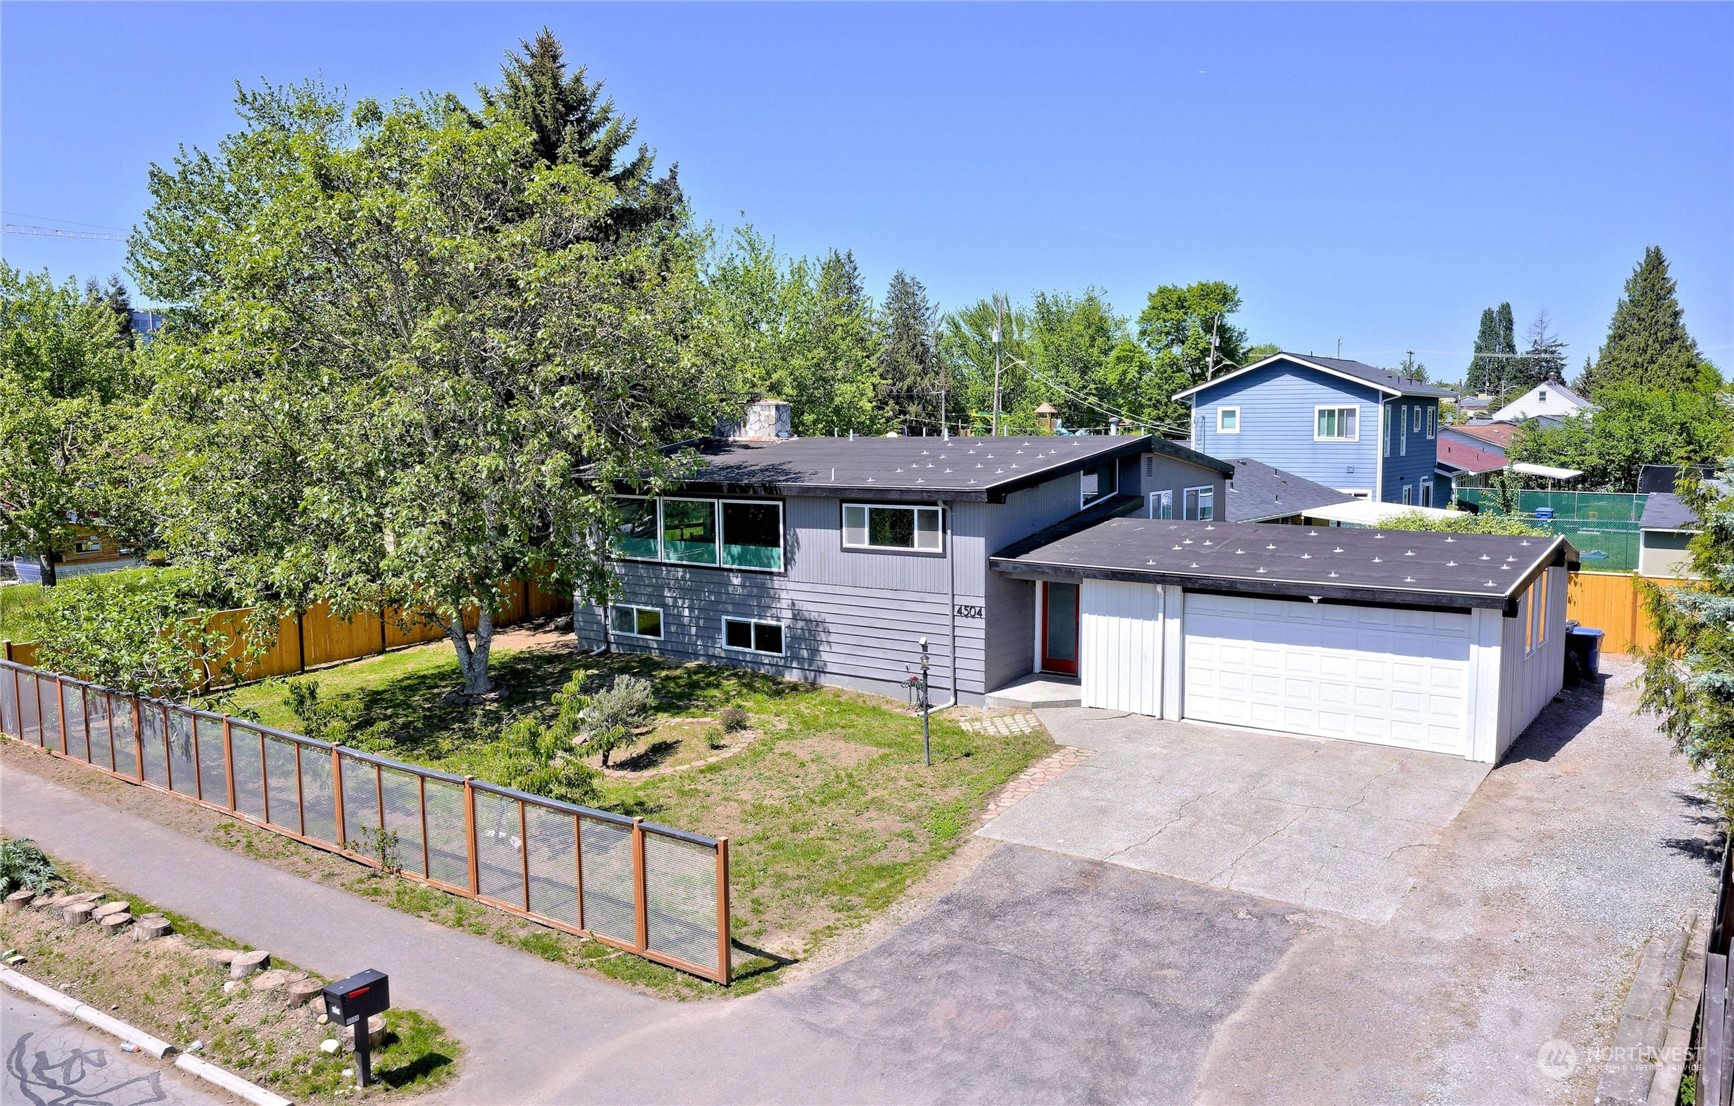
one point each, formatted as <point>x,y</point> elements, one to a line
<point>23,865</point>
<point>381,845</point>
<point>540,759</point>
<point>733,719</point>
<point>716,737</point>
<point>321,719</point>
<point>614,714</point>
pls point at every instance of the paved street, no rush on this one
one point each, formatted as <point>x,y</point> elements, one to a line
<point>54,1060</point>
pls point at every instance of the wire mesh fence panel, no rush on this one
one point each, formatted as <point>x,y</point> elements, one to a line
<point>96,725</point>
<point>249,770</point>
<point>403,815</point>
<point>283,785</point>
<point>448,851</point>
<point>213,774</point>
<point>680,897</point>
<point>50,691</point>
<point>29,724</point>
<point>150,724</point>
<point>183,766</point>
<point>553,863</point>
<point>360,800</point>
<point>609,894</point>
<point>121,729</point>
<point>318,801</point>
<point>9,703</point>
<point>77,736</point>
<point>499,848</point>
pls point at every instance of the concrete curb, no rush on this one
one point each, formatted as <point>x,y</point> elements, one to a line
<point>1651,1043</point>
<point>146,1043</point>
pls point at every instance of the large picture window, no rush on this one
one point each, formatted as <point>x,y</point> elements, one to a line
<point>753,637</point>
<point>636,621</point>
<point>877,526</point>
<point>752,534</point>
<point>636,535</point>
<point>1337,424</point>
<point>732,533</point>
<point>689,531</point>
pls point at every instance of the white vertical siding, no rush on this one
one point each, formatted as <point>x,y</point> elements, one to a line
<point>1120,645</point>
<point>1173,651</point>
<point>1527,684</point>
<point>1485,628</point>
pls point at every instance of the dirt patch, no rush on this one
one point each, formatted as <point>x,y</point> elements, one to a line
<point>169,989</point>
<point>677,745</point>
<point>552,634</point>
<point>829,750</point>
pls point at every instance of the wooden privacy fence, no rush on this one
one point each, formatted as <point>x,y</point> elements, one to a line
<point>653,890</point>
<point>1610,602</point>
<point>317,637</point>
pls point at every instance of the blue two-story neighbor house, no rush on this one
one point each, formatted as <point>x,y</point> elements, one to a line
<point>1349,426</point>
<point>829,560</point>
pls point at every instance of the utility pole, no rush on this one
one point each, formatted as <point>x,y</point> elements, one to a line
<point>1210,358</point>
<point>1339,348</point>
<point>998,323</point>
<point>944,386</point>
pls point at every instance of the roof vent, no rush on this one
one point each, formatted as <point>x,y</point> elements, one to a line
<point>1306,556</point>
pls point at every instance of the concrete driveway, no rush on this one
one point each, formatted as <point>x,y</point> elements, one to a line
<point>1329,825</point>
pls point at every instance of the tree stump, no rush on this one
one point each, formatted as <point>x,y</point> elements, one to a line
<point>51,902</point>
<point>76,913</point>
<point>218,958</point>
<point>375,1033</point>
<point>300,992</point>
<point>274,980</point>
<point>114,923</point>
<point>150,927</point>
<point>108,908</point>
<point>18,900</point>
<point>246,963</point>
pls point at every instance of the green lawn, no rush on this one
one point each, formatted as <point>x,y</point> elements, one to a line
<point>830,812</point>
<point>18,606</point>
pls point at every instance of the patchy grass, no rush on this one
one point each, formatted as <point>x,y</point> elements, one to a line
<point>163,988</point>
<point>19,604</point>
<point>829,810</point>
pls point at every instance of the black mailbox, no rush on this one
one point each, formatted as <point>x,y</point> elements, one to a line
<point>357,998</point>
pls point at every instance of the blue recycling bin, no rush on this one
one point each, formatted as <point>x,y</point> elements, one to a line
<point>1544,513</point>
<point>1586,643</point>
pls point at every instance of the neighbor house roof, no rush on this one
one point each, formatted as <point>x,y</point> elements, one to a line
<point>1411,568</point>
<point>1259,492</point>
<point>1665,511</point>
<point>1388,382</point>
<point>1531,404</point>
<point>912,469</point>
<point>1494,433</point>
<point>1460,455</point>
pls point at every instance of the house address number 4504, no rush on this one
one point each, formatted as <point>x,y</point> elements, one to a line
<point>970,610</point>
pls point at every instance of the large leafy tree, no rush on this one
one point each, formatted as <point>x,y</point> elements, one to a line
<point>416,355</point>
<point>1072,342</point>
<point>1188,333</point>
<point>1689,672</point>
<point>969,347</point>
<point>66,392</point>
<point>1634,427</point>
<point>1647,341</point>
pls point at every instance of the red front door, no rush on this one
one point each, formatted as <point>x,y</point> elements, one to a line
<point>1060,628</point>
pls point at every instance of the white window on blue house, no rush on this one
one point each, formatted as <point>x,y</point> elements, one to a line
<point>1427,494</point>
<point>1095,483</point>
<point>1200,504</point>
<point>753,637</point>
<point>1386,427</point>
<point>1408,494</point>
<point>884,526</point>
<point>1432,417</point>
<point>635,621</point>
<point>1228,420</point>
<point>1336,424</point>
<point>1403,436</point>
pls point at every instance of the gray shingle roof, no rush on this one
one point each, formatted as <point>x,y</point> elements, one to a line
<point>1664,511</point>
<point>1259,492</point>
<point>1389,566</point>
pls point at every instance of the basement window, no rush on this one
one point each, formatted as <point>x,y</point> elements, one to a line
<point>636,621</point>
<point>753,637</point>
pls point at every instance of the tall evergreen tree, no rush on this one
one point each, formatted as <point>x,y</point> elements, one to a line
<point>910,368</point>
<point>1544,360</point>
<point>1647,342</point>
<point>573,123</point>
<point>119,303</point>
<point>1494,367</point>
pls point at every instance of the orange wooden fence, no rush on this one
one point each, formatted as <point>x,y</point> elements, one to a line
<point>318,637</point>
<point>1610,602</point>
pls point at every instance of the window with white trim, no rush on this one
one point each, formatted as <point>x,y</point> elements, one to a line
<point>1386,428</point>
<point>1228,420</point>
<point>753,637</point>
<point>1162,504</point>
<point>1200,504</point>
<point>1095,483</point>
<point>892,526</point>
<point>635,537</point>
<point>1427,494</point>
<point>635,621</point>
<point>1417,410</point>
<point>1336,424</point>
<point>1407,495</point>
<point>1432,421</point>
<point>1535,635</point>
<point>1403,431</point>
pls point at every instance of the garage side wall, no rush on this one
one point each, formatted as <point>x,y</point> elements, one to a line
<point>1529,683</point>
<point>1120,645</point>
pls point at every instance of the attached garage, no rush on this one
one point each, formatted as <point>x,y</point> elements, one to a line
<point>1439,642</point>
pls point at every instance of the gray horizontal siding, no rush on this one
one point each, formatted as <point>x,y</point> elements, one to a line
<point>1009,648</point>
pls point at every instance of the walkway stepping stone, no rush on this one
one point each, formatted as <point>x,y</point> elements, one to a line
<point>246,963</point>
<point>76,913</point>
<point>300,992</point>
<point>375,1033</point>
<point>274,980</point>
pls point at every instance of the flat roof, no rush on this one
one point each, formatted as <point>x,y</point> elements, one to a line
<point>1411,568</point>
<point>913,469</point>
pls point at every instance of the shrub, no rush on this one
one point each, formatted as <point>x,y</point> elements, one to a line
<point>23,865</point>
<point>715,737</point>
<point>614,714</point>
<point>541,759</point>
<point>147,630</point>
<point>1463,523</point>
<point>321,719</point>
<point>732,719</point>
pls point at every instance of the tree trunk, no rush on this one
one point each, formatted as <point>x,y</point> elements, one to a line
<point>50,577</point>
<point>473,658</point>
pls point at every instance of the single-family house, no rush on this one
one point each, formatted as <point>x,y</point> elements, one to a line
<point>1257,492</point>
<point>833,559</point>
<point>1495,437</point>
<point>1362,430</point>
<point>1462,465</point>
<point>1549,400</point>
<point>1451,643</point>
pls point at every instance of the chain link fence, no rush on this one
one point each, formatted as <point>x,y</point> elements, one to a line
<point>649,889</point>
<point>1602,526</point>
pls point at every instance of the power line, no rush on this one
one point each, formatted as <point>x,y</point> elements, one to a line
<point>55,232</point>
<point>53,219</point>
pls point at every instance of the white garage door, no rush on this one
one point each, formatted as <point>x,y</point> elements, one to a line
<point>1368,673</point>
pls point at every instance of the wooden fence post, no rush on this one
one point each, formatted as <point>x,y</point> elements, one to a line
<point>640,897</point>
<point>382,629</point>
<point>724,942</point>
<point>229,761</point>
<point>342,841</point>
<point>138,738</point>
<point>470,835</point>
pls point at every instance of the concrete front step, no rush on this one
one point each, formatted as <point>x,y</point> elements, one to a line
<point>1035,692</point>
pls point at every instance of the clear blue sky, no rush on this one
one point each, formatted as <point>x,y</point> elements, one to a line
<point>1375,173</point>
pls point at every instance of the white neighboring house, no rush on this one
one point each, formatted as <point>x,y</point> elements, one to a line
<point>1549,400</point>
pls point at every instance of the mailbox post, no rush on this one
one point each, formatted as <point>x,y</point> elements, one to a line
<point>351,1002</point>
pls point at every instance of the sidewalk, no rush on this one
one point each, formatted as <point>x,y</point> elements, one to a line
<point>505,1006</point>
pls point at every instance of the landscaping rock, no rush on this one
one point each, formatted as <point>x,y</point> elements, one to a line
<point>246,963</point>
<point>76,913</point>
<point>329,1045</point>
<point>150,927</point>
<point>18,900</point>
<point>114,923</point>
<point>300,992</point>
<point>375,1033</point>
<point>108,908</point>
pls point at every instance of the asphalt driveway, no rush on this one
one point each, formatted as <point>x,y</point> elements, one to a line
<point>1329,825</point>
